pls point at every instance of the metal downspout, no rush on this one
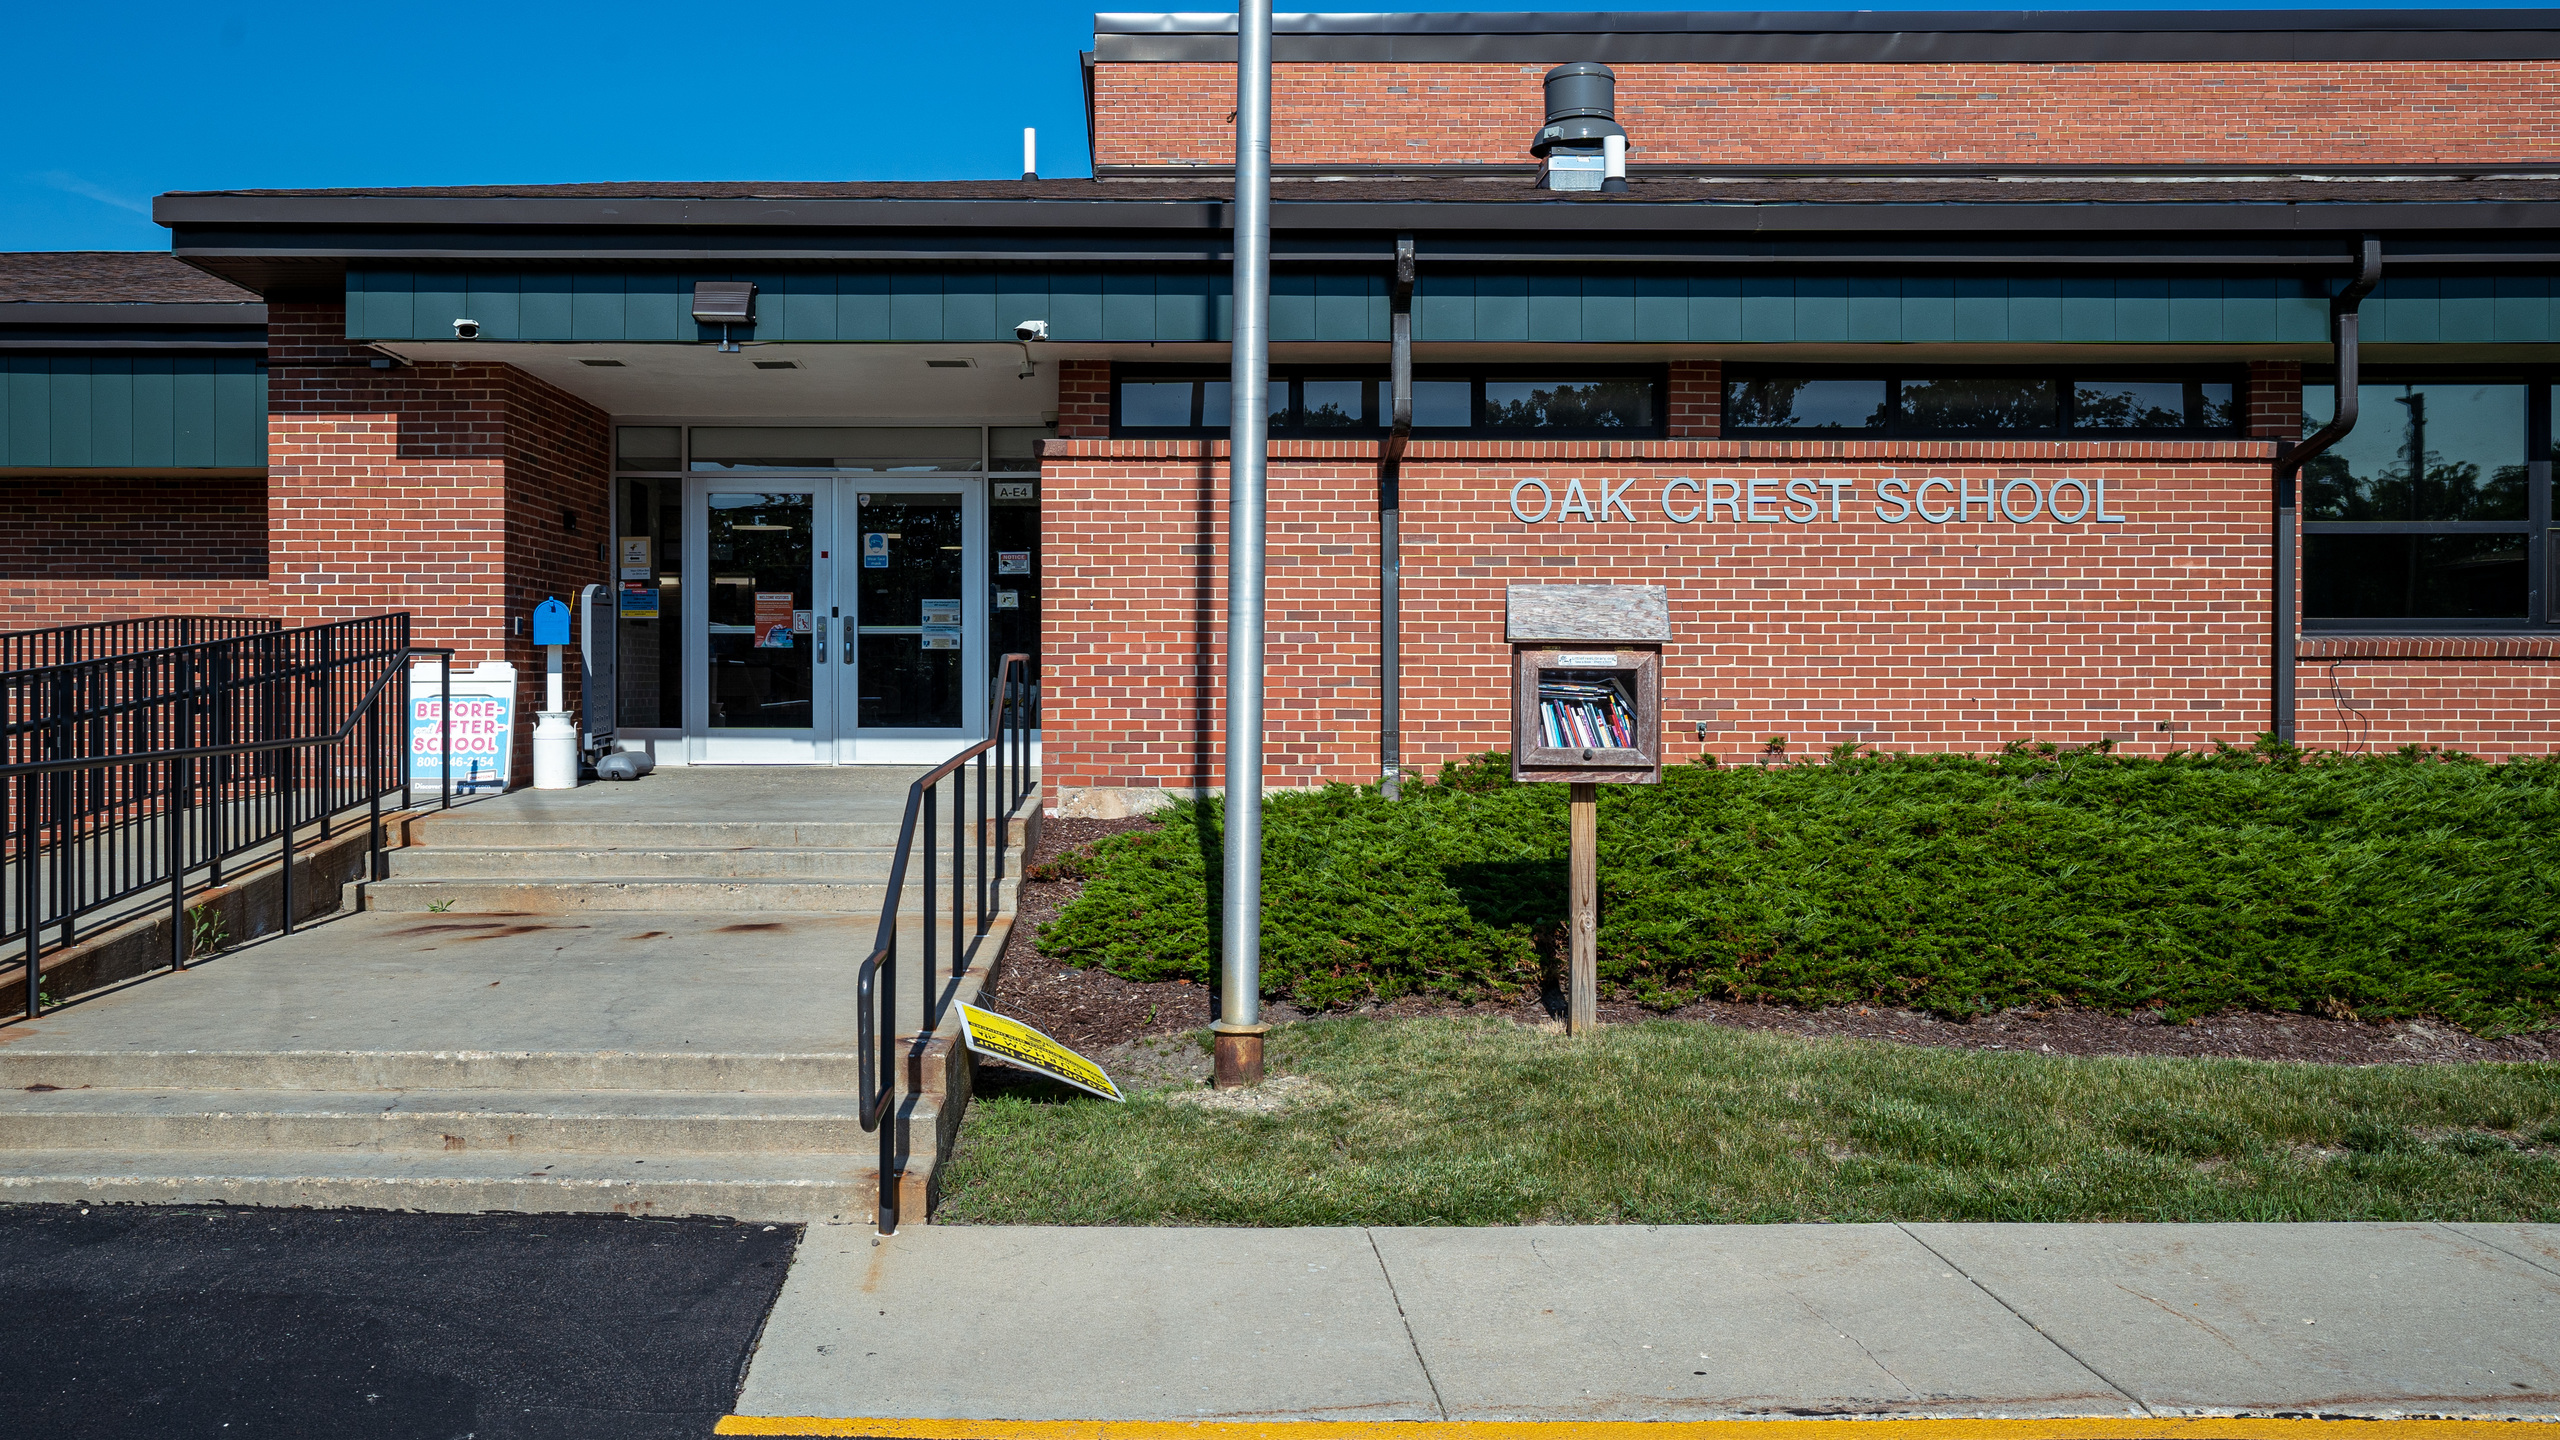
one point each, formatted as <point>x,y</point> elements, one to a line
<point>2343,323</point>
<point>1390,534</point>
<point>1239,1029</point>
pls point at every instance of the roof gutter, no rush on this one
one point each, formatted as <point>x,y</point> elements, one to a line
<point>2343,322</point>
<point>1390,522</point>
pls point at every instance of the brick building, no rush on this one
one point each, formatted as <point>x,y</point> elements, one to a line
<point>1941,367</point>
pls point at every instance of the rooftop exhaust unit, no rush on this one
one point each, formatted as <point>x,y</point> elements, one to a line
<point>1582,143</point>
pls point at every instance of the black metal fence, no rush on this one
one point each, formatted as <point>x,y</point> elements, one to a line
<point>1002,765</point>
<point>70,644</point>
<point>135,772</point>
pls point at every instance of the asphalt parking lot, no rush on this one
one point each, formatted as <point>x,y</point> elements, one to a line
<point>193,1321</point>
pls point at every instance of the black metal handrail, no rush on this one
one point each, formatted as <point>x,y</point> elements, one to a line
<point>171,762</point>
<point>1008,742</point>
<point>100,639</point>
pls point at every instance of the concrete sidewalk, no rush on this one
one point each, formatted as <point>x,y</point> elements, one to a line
<point>1606,1323</point>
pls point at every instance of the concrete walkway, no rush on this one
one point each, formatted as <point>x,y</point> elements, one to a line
<point>2022,1323</point>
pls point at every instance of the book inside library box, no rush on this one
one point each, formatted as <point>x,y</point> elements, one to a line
<point>1587,709</point>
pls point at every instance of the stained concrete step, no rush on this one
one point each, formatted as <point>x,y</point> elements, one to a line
<point>22,1069</point>
<point>502,862</point>
<point>603,830</point>
<point>772,1189</point>
<point>544,894</point>
<point>651,1123</point>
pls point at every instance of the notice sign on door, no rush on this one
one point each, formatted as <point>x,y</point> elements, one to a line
<point>875,550</point>
<point>635,557</point>
<point>639,602</point>
<point>1013,562</point>
<point>941,612</point>
<point>773,619</point>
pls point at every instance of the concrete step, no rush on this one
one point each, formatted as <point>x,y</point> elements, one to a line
<point>654,1123</point>
<point>22,1070</point>
<point>496,862</point>
<point>773,1189</point>
<point>604,831</point>
<point>543,894</point>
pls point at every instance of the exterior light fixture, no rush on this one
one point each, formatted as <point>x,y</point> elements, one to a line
<point>725,303</point>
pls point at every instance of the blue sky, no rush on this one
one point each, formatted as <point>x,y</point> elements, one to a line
<point>135,99</point>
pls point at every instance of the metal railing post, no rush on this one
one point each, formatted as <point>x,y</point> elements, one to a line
<point>29,859</point>
<point>927,975</point>
<point>173,817</point>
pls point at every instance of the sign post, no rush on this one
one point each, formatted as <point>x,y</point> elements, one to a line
<point>555,735</point>
<point>1586,710</point>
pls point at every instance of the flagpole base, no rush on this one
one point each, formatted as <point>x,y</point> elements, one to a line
<point>1238,1055</point>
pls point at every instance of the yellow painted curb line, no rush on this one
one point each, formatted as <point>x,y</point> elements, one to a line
<point>2072,1428</point>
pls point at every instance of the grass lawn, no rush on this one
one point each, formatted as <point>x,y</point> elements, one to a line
<point>1463,1122</point>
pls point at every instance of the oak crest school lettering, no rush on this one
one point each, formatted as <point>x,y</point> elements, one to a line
<point>2158,378</point>
<point>1802,502</point>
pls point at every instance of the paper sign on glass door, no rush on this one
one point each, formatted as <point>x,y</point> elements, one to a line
<point>941,612</point>
<point>875,550</point>
<point>773,619</point>
<point>635,557</point>
<point>1013,562</point>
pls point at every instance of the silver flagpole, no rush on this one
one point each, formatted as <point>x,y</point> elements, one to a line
<point>1239,1027</point>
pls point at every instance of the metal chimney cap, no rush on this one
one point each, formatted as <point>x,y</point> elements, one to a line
<point>724,302</point>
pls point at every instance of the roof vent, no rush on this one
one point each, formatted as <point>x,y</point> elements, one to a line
<point>1582,142</point>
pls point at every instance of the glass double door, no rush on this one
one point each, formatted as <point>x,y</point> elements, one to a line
<point>841,621</point>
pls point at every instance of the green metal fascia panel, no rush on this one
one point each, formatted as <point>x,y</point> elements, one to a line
<point>2522,309</point>
<point>145,412</point>
<point>110,418</point>
<point>155,420</point>
<point>69,423</point>
<point>978,306</point>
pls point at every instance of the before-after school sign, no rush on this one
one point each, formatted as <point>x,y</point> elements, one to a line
<point>1933,501</point>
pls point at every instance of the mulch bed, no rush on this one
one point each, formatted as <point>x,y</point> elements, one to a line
<point>1092,1010</point>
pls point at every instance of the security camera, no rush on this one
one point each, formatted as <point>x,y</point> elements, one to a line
<point>1030,330</point>
<point>466,329</point>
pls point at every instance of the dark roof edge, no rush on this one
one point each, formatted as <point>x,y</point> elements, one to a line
<point>1825,22</point>
<point>2518,169</point>
<point>621,215</point>
<point>1847,37</point>
<point>156,315</point>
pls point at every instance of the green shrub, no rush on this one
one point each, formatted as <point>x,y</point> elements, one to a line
<point>2417,883</point>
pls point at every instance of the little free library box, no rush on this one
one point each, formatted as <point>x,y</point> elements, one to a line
<point>1586,665</point>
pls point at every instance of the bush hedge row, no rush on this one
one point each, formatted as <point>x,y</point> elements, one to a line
<point>2422,883</point>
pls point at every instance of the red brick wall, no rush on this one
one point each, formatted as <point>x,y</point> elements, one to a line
<point>1910,636</point>
<point>76,548</point>
<point>41,604</point>
<point>1696,401</point>
<point>2488,697</point>
<point>1084,398</point>
<point>436,489</point>
<point>2222,114</point>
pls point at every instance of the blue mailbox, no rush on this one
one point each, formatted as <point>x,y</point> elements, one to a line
<point>551,623</point>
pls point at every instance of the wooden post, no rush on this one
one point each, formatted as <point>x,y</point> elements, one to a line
<point>1582,982</point>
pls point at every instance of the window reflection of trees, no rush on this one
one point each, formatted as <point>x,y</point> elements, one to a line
<point>2443,462</point>
<point>1620,404</point>
<point>1981,404</point>
<point>1782,404</point>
